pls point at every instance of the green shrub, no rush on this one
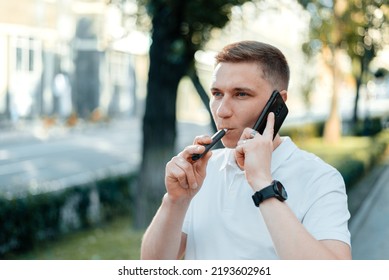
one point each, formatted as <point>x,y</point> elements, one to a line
<point>353,156</point>
<point>32,218</point>
<point>304,131</point>
<point>368,126</point>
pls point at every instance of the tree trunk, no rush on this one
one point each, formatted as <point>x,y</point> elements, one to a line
<point>167,67</point>
<point>201,91</point>
<point>159,133</point>
<point>364,62</point>
<point>333,126</point>
<point>357,94</point>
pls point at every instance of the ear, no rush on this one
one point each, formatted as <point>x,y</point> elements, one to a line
<point>284,95</point>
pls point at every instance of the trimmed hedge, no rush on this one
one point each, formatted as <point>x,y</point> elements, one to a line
<point>352,161</point>
<point>365,127</point>
<point>353,156</point>
<point>27,220</point>
<point>304,131</point>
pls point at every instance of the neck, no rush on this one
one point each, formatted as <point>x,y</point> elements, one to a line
<point>277,141</point>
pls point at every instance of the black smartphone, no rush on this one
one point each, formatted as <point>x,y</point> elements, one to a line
<point>276,105</point>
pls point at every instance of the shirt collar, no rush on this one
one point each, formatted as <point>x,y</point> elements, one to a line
<point>280,154</point>
<point>229,159</point>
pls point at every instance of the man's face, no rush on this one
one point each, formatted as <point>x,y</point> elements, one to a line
<point>239,93</point>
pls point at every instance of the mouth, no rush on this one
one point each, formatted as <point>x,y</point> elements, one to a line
<point>227,130</point>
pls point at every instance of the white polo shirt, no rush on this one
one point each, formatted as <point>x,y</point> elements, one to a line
<point>223,223</point>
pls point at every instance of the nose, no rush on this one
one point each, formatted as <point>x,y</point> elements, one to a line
<point>224,108</point>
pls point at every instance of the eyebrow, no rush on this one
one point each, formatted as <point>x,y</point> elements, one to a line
<point>243,89</point>
<point>235,89</point>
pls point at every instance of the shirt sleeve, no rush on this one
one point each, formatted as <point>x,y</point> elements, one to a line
<point>327,215</point>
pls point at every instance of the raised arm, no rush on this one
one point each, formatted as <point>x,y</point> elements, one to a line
<point>290,238</point>
<point>183,178</point>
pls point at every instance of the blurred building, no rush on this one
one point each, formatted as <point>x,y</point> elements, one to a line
<point>60,56</point>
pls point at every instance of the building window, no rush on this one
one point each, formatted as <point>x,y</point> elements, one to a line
<point>26,50</point>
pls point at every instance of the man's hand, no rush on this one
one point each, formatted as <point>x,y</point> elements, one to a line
<point>253,155</point>
<point>183,176</point>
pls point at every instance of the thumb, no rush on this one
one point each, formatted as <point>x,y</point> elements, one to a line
<point>201,164</point>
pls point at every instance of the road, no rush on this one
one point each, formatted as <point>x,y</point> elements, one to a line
<point>369,226</point>
<point>58,157</point>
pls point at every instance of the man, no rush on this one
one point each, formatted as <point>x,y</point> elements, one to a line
<point>208,210</point>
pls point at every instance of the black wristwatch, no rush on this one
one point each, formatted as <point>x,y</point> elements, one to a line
<point>275,189</point>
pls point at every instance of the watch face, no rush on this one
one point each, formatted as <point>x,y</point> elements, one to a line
<point>280,190</point>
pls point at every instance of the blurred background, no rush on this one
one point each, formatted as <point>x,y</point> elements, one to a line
<point>97,95</point>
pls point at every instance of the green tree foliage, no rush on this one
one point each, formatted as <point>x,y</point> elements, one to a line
<point>363,39</point>
<point>357,27</point>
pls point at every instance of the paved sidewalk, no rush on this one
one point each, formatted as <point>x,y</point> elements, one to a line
<point>369,226</point>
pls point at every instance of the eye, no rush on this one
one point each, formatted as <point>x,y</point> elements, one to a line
<point>241,94</point>
<point>216,94</point>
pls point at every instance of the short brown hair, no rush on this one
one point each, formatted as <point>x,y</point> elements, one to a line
<point>271,60</point>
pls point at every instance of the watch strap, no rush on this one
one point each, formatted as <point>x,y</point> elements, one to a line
<point>268,192</point>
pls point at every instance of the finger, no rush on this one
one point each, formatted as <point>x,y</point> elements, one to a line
<point>202,140</point>
<point>269,129</point>
<point>247,133</point>
<point>253,133</point>
<point>176,174</point>
<point>178,169</point>
<point>200,165</point>
<point>191,150</point>
<point>187,168</point>
<point>242,142</point>
<point>240,156</point>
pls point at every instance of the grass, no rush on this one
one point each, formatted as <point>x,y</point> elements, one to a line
<point>115,240</point>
